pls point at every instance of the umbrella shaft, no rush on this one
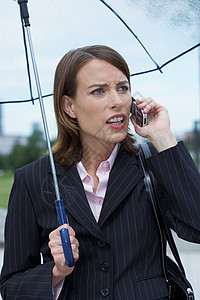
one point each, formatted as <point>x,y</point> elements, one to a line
<point>43,113</point>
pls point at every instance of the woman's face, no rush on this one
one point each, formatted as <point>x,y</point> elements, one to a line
<point>102,103</point>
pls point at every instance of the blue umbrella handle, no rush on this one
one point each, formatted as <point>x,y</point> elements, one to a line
<point>64,234</point>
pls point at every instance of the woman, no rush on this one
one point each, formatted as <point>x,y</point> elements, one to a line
<point>113,232</point>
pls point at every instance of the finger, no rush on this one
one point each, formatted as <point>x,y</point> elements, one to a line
<point>76,256</point>
<point>55,247</point>
<point>54,240</point>
<point>136,126</point>
<point>73,240</point>
<point>56,243</point>
<point>57,251</point>
<point>59,259</point>
<point>74,247</point>
<point>56,233</point>
<point>58,254</point>
<point>139,101</point>
<point>149,103</point>
<point>70,229</point>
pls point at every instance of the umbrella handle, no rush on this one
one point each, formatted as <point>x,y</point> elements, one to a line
<point>64,234</point>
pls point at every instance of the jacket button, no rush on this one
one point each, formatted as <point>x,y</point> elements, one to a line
<point>101,244</point>
<point>104,267</point>
<point>105,292</point>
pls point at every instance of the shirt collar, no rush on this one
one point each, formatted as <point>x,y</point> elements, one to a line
<point>105,166</point>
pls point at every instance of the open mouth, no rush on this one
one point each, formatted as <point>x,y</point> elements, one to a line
<point>115,121</point>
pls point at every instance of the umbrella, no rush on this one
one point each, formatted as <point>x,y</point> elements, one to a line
<point>124,16</point>
<point>165,28</point>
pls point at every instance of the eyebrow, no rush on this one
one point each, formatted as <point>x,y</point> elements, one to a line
<point>97,85</point>
<point>105,84</point>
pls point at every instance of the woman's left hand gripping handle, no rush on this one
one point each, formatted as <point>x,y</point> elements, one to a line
<point>67,249</point>
<point>61,268</point>
<point>64,233</point>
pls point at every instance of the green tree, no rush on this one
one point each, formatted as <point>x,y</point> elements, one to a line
<point>24,154</point>
<point>4,164</point>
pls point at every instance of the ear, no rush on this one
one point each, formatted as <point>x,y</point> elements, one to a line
<point>68,106</point>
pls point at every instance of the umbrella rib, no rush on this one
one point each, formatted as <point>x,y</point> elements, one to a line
<point>167,62</point>
<point>26,100</point>
<point>181,54</point>
<point>127,26</point>
<point>133,74</point>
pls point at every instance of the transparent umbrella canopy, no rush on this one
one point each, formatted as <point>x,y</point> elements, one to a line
<point>165,29</point>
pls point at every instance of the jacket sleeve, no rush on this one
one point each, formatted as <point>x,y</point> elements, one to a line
<point>179,178</point>
<point>23,276</point>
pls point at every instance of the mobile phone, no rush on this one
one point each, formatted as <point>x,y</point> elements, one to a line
<point>138,115</point>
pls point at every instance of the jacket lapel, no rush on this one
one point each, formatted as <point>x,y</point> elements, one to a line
<point>124,176</point>
<point>76,203</point>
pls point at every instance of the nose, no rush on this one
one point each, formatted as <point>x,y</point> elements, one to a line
<point>115,101</point>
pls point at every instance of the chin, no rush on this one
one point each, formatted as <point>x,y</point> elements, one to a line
<point>118,138</point>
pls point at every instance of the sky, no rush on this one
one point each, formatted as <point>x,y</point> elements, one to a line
<point>60,25</point>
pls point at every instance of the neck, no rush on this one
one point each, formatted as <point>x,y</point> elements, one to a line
<point>94,154</point>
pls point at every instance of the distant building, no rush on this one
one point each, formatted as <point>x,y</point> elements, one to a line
<point>36,127</point>
<point>1,122</point>
<point>7,142</point>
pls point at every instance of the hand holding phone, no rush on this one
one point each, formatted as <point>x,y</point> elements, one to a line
<point>138,115</point>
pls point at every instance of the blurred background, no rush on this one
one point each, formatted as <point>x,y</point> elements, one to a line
<point>166,29</point>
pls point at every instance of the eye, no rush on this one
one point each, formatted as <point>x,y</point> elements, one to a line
<point>98,91</point>
<point>123,88</point>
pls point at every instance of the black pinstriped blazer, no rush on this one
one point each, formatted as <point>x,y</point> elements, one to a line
<point>120,255</point>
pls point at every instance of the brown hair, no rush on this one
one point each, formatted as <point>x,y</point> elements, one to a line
<point>67,146</point>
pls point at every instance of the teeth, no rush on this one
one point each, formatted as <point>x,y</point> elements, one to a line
<point>115,120</point>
